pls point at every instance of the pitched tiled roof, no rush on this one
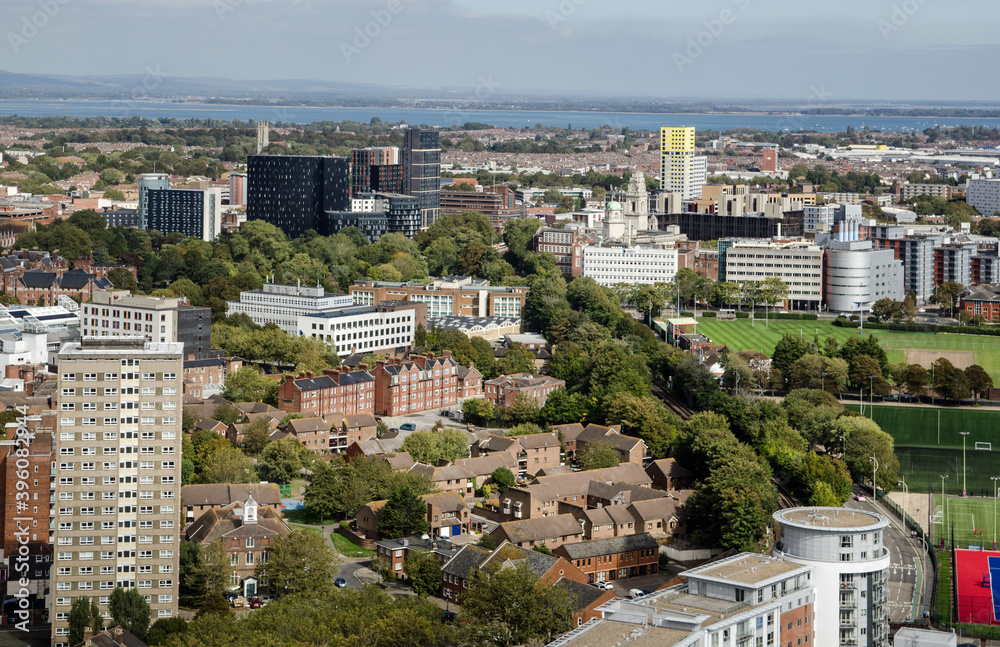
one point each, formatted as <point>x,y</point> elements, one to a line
<point>308,425</point>
<point>221,522</point>
<point>113,637</point>
<point>447,501</point>
<point>400,461</point>
<point>670,468</point>
<point>75,280</point>
<point>222,494</point>
<point>328,382</point>
<point>497,443</point>
<point>467,559</point>
<point>571,431</point>
<point>533,441</point>
<point>585,594</point>
<point>541,529</point>
<point>609,546</point>
<point>38,279</point>
<point>360,420</point>
<point>578,483</point>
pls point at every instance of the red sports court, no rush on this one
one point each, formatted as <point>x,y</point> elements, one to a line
<point>977,581</point>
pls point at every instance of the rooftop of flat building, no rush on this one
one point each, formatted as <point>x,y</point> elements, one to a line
<point>120,346</point>
<point>830,518</point>
<point>746,569</point>
<point>602,633</point>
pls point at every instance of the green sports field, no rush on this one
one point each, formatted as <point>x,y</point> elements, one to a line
<point>928,444</point>
<point>742,334</point>
<point>966,516</point>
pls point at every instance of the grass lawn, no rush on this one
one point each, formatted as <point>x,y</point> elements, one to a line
<point>961,514</point>
<point>923,458</point>
<point>303,516</point>
<point>349,548</point>
<point>742,334</point>
<point>943,601</point>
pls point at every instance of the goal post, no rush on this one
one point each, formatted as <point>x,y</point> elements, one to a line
<point>980,446</point>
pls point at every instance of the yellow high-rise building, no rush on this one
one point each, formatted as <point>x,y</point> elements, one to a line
<point>681,171</point>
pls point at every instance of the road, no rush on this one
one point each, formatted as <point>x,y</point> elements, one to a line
<point>907,566</point>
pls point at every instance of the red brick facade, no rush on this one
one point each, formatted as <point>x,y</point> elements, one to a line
<point>416,385</point>
<point>33,501</point>
<point>338,390</point>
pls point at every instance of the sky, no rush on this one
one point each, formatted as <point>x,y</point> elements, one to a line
<point>800,51</point>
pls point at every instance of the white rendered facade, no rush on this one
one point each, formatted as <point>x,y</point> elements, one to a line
<point>850,563</point>
<point>799,265</point>
<point>647,265</point>
<point>117,475</point>
<point>984,195</point>
<point>681,171</point>
<point>282,305</point>
<point>117,313</point>
<point>361,328</point>
<point>818,219</point>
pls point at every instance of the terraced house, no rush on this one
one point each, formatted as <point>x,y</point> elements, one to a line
<point>423,383</point>
<point>337,390</point>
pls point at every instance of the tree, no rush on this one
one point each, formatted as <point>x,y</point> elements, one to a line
<point>946,293</point>
<point>300,562</point>
<point>96,619</point>
<point>563,407</point>
<point>863,440</point>
<point>163,628</point>
<point>122,279</point>
<point>950,382</point>
<point>807,373</point>
<point>79,619</point>
<point>112,176</point>
<point>227,414</point>
<point>516,359</point>
<point>212,570</point>
<point>503,478</point>
<point>248,384</point>
<point>320,495</point>
<point>860,372</point>
<point>978,380</point>
<point>424,572</point>
<point>214,603</point>
<point>524,409</point>
<point>598,455</point>
<point>916,378</point>
<point>256,436</point>
<point>645,417</point>
<point>404,514</point>
<point>282,460</point>
<point>129,609</point>
<point>886,309</point>
<point>228,465</point>
<point>510,606</point>
<point>787,351</point>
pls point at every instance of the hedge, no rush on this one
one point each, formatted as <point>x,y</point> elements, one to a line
<point>992,331</point>
<point>709,314</point>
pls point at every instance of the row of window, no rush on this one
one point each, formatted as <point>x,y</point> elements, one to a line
<point>112,435</point>
<point>88,556</point>
<point>114,391</point>
<point>108,451</point>
<point>92,377</point>
<point>126,420</point>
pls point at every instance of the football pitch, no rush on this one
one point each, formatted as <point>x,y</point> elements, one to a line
<point>928,444</point>
<point>742,334</point>
<point>974,520</point>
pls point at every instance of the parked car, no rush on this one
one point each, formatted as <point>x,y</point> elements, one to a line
<point>636,593</point>
<point>230,596</point>
<point>448,616</point>
<point>255,602</point>
<point>265,599</point>
<point>603,585</point>
<point>408,426</point>
<point>340,582</point>
<point>892,397</point>
<point>860,497</point>
<point>239,602</point>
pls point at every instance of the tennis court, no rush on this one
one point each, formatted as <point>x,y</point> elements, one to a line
<point>977,580</point>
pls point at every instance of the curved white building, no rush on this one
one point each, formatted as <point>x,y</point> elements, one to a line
<point>850,562</point>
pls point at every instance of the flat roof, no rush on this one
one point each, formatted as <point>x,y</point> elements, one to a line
<point>830,518</point>
<point>747,569</point>
<point>683,321</point>
<point>608,632</point>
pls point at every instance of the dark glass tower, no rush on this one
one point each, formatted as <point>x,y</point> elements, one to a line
<point>294,192</point>
<point>422,171</point>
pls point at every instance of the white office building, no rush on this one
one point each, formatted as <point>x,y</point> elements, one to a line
<point>818,219</point>
<point>799,264</point>
<point>613,264</point>
<point>362,329</point>
<point>117,476</point>
<point>984,195</point>
<point>849,560</point>
<point>282,305</point>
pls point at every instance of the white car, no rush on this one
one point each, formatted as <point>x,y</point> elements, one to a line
<point>603,585</point>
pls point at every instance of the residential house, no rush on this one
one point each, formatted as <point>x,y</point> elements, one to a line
<point>602,523</point>
<point>312,433</point>
<point>502,391</point>
<point>337,390</point>
<point>373,447</point>
<point>552,531</point>
<point>199,499</point>
<point>532,452</point>
<point>569,435</point>
<point>210,424</point>
<point>668,475</point>
<point>237,433</point>
<point>630,449</point>
<point>209,375</point>
<point>541,498</point>
<point>457,572</point>
<point>465,475</point>
<point>395,551</point>
<point>661,517</point>
<point>588,599</point>
<point>247,532</point>
<point>470,382</point>
<point>420,384</point>
<point>447,514</point>
<point>615,558</point>
<point>112,637</point>
<point>399,461</point>
<point>618,493</point>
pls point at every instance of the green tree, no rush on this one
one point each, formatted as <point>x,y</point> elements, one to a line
<point>886,309</point>
<point>227,414</point>
<point>789,349</point>
<point>129,609</point>
<point>229,465</point>
<point>164,628</point>
<point>598,455</point>
<point>510,606</point>
<point>96,619</point>
<point>503,478</point>
<point>256,436</point>
<point>214,603</point>
<point>112,176</point>
<point>300,562</point>
<point>282,460</point>
<point>808,373</point>
<point>122,279</point>
<point>865,439</point>
<point>563,407</point>
<point>212,570</point>
<point>516,359</point>
<point>950,382</point>
<point>403,515</point>
<point>978,380</point>
<point>864,372</point>
<point>946,293</point>
<point>424,572</point>
<point>320,495</point>
<point>248,384</point>
<point>646,418</point>
<point>524,409</point>
<point>916,379</point>
<point>79,619</point>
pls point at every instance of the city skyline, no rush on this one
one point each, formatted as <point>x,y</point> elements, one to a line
<point>671,50</point>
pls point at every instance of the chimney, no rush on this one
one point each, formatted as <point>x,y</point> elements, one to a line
<point>301,376</point>
<point>288,379</point>
<point>309,374</point>
<point>332,372</point>
<point>446,353</point>
<point>379,365</point>
<point>345,369</point>
<point>362,366</point>
<point>430,355</point>
<point>10,372</point>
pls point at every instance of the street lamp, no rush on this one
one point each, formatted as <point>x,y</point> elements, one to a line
<point>996,493</point>
<point>964,434</point>
<point>944,505</point>
<point>823,377</point>
<point>874,472</point>
<point>871,396</point>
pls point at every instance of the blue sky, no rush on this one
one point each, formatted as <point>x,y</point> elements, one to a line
<point>849,50</point>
